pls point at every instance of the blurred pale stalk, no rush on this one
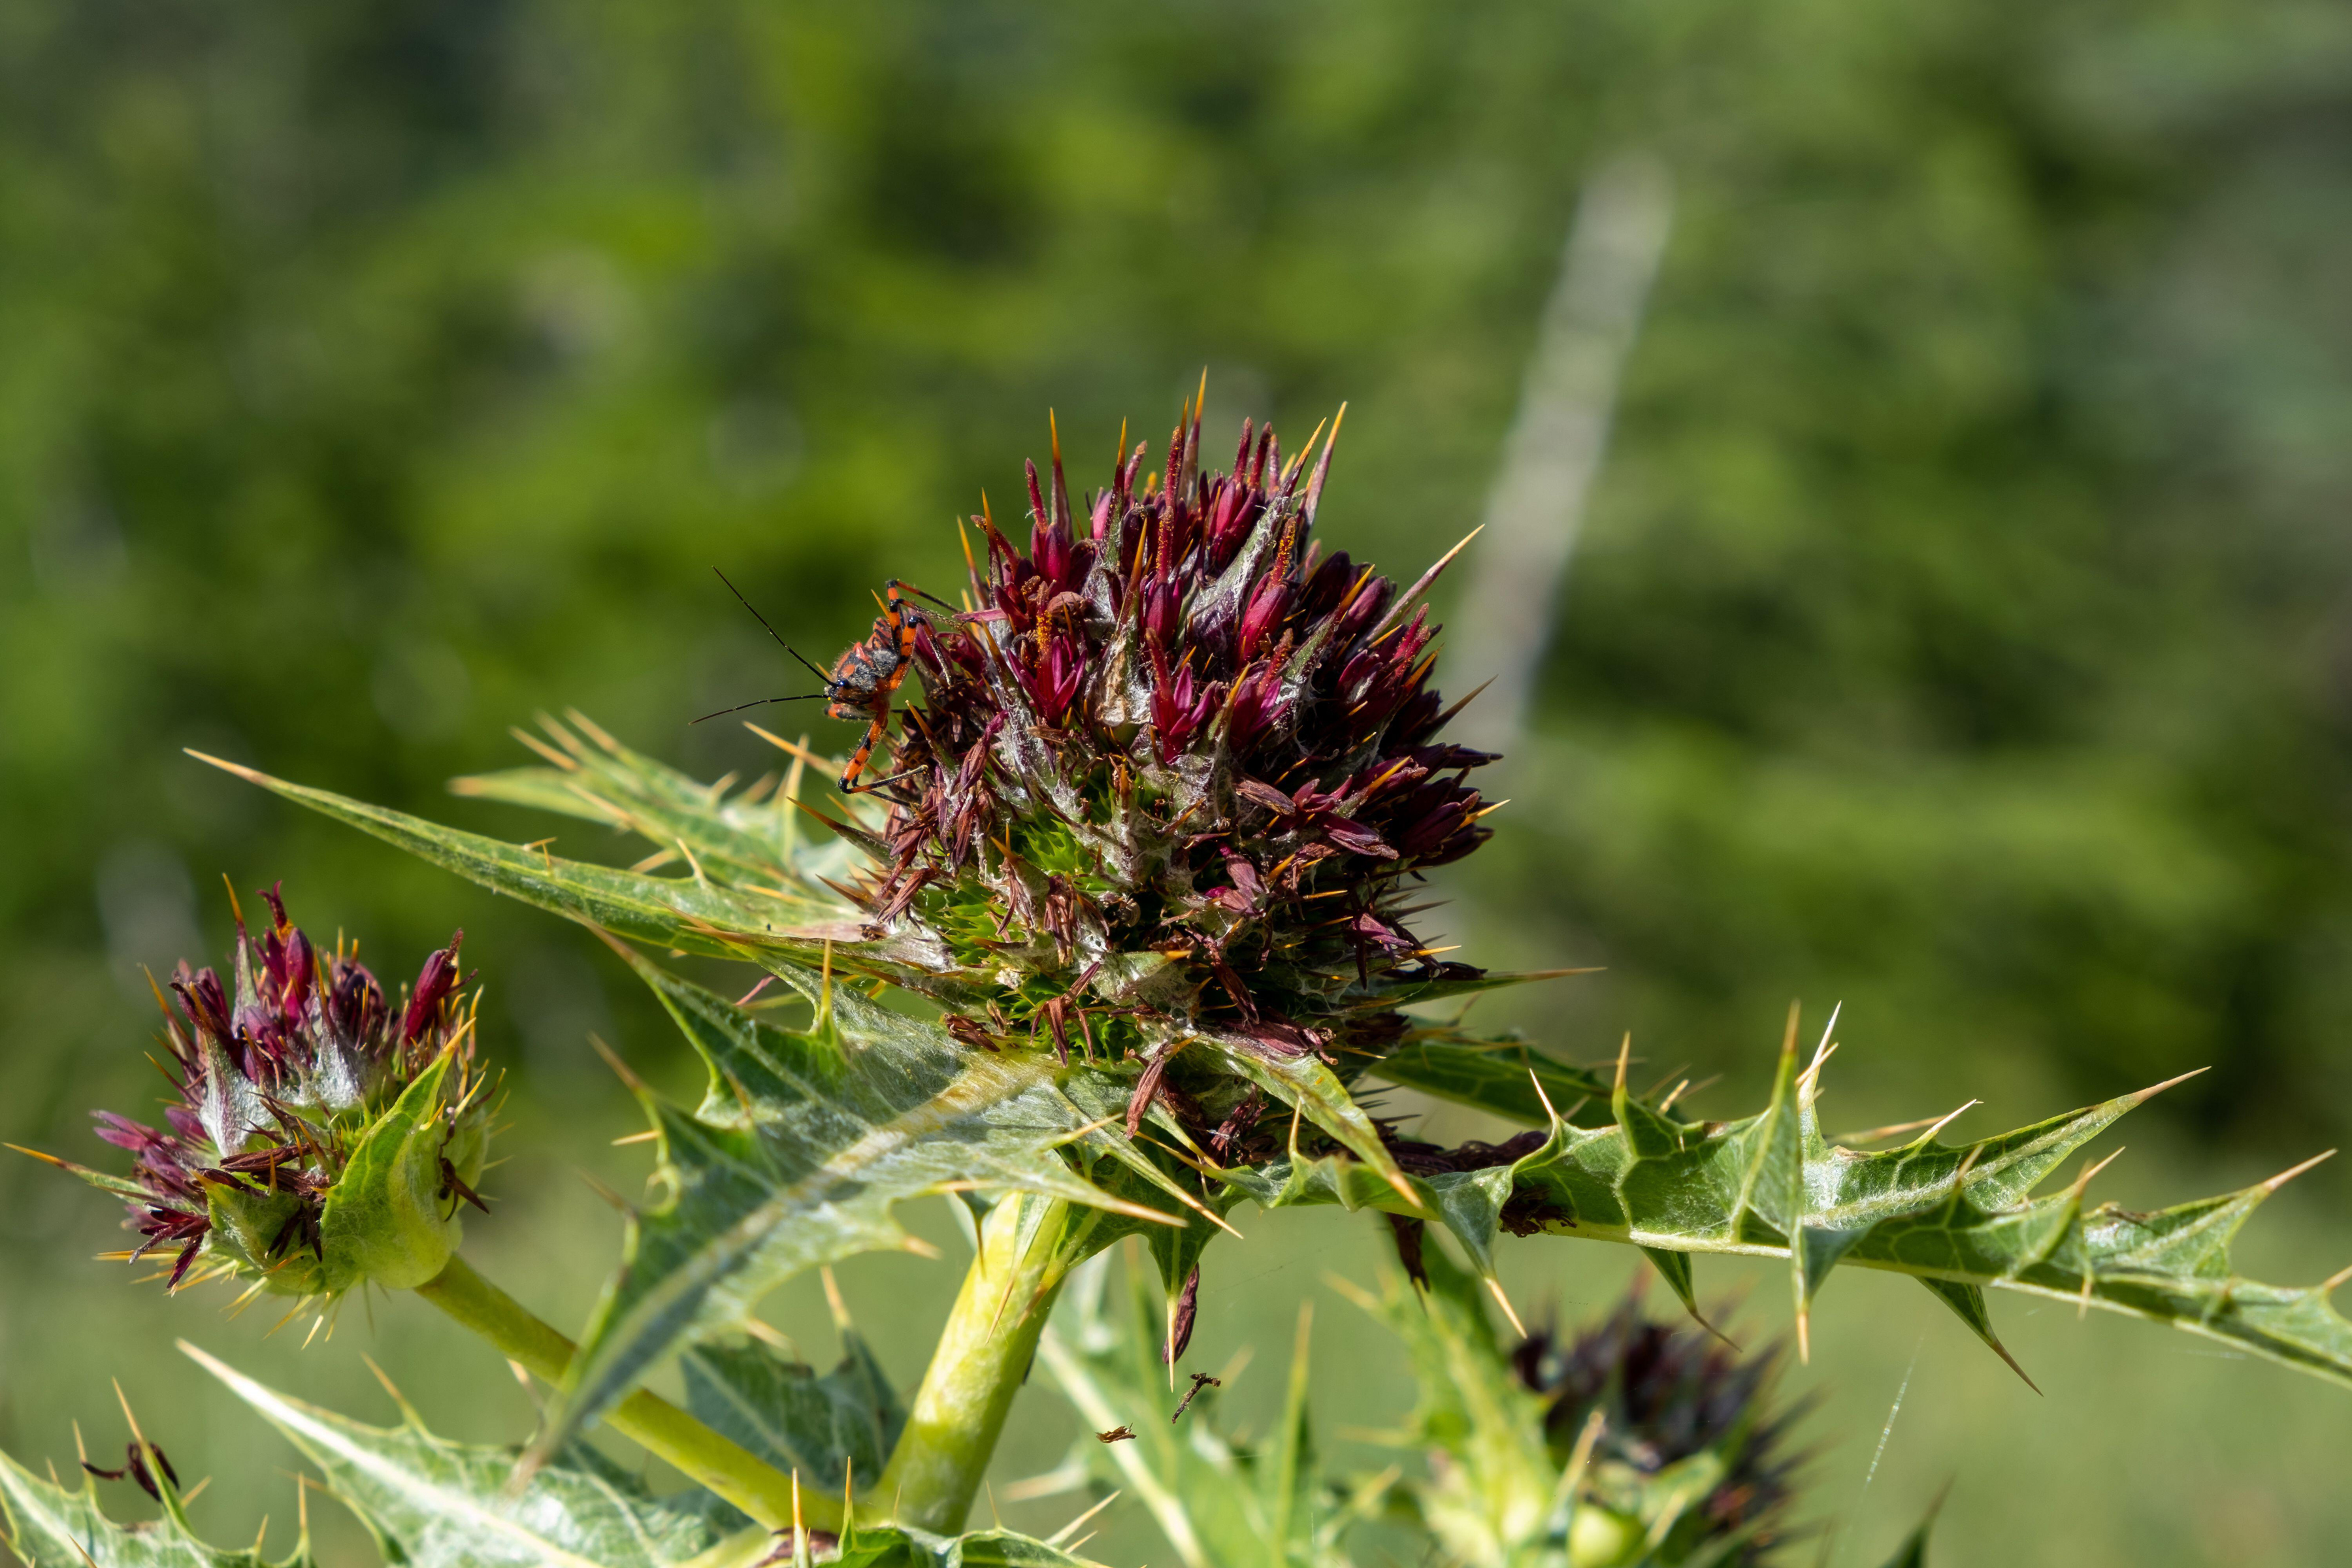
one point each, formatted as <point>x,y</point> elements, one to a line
<point>1558,439</point>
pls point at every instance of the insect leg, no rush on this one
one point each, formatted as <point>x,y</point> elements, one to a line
<point>873,732</point>
<point>901,622</point>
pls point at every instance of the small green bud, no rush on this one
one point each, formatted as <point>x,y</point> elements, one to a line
<point>1685,1443</point>
<point>1599,1537</point>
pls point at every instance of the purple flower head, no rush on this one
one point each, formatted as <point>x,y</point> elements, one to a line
<point>1175,738</point>
<point>278,1076</point>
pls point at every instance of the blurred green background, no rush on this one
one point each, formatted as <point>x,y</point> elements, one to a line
<point>1961,628</point>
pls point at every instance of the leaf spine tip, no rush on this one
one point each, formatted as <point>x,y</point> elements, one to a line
<point>1937,1126</point>
<point>2091,1168</point>
<point>1494,1289</point>
<point>1536,1079</point>
<point>2142,1097</point>
<point>833,1303</point>
<point>2291,1172</point>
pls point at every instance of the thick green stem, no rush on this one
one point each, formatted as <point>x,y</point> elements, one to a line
<point>752,1485</point>
<point>983,1356</point>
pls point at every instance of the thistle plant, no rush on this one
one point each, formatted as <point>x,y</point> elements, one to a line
<point>1137,831</point>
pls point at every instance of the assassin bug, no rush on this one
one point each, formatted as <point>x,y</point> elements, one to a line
<point>862,679</point>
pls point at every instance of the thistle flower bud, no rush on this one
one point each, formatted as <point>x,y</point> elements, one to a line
<point>317,1136</point>
<point>1679,1415</point>
<point>1174,772</point>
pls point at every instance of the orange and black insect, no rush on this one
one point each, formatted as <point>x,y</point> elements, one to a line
<point>862,679</point>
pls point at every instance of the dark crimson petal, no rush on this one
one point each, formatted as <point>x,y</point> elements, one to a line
<point>1259,793</point>
<point>1245,875</point>
<point>1355,837</point>
<point>1327,586</point>
<point>1050,548</point>
<point>1269,607</point>
<point>1279,1037</point>
<point>273,961</point>
<point>1425,837</point>
<point>187,1256</point>
<point>1180,1328</point>
<point>1162,618</point>
<point>1382,931</point>
<point>1038,515</point>
<point>125,1133</point>
<point>1235,513</point>
<point>434,985</point>
<point>1459,845</point>
<point>1357,675</point>
<point>1362,612</point>
<point>1441,759</point>
<point>1255,706</point>
<point>348,990</point>
<point>206,1004</point>
<point>302,966</point>
<point>1147,1089</point>
<point>1416,719</point>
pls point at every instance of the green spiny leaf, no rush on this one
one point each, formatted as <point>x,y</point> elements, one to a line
<point>439,1504</point>
<point>1963,1215</point>
<point>1004,1548</point>
<point>826,1428</point>
<point>804,1146</point>
<point>1312,1089</point>
<point>49,1526</point>
<point>783,911</point>
<point>1968,1303</point>
<point>1496,1075</point>
<point>895,1546</point>
<point>736,841</point>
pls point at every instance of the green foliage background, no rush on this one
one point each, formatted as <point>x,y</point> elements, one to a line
<point>1961,628</point>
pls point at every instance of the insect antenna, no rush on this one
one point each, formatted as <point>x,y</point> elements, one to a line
<point>757,616</point>
<point>763,702</point>
<point>781,643</point>
<point>934,598</point>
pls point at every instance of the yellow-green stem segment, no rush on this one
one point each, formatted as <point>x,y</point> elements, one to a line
<point>982,1355</point>
<point>759,1488</point>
